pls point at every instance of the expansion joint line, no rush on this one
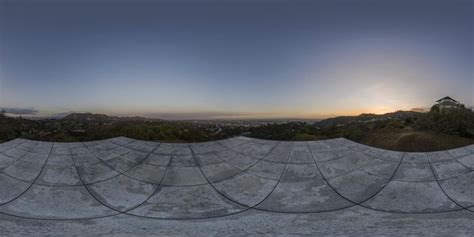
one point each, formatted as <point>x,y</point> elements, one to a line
<point>349,200</point>
<point>103,203</point>
<point>257,161</point>
<point>34,180</point>
<point>444,191</point>
<point>247,207</point>
<point>18,159</point>
<point>124,173</point>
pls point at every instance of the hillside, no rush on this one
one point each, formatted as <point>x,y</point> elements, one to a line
<point>90,117</point>
<point>365,118</point>
<point>410,140</point>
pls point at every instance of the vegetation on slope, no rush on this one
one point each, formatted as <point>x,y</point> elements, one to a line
<point>432,131</point>
<point>403,131</point>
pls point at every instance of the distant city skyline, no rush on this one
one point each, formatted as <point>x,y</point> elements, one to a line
<point>234,59</point>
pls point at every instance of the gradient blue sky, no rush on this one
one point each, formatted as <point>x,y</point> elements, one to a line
<point>234,59</point>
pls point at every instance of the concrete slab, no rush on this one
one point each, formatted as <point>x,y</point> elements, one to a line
<point>460,189</point>
<point>280,153</point>
<point>15,153</point>
<point>121,150</point>
<point>61,149</point>
<point>59,176</point>
<point>175,149</point>
<point>186,203</point>
<point>95,173</point>
<point>56,203</point>
<point>231,142</point>
<point>344,165</point>
<point>25,145</point>
<point>335,154</point>
<point>268,170</point>
<point>358,186</point>
<point>207,147</point>
<point>255,150</point>
<point>257,140</point>
<point>183,176</point>
<point>143,146</point>
<point>122,193</point>
<point>381,168</point>
<point>5,161</point>
<point>24,171</point>
<point>393,156</point>
<point>228,155</point>
<point>219,172</point>
<point>467,161</point>
<point>300,154</point>
<point>101,145</point>
<point>233,178</point>
<point>470,148</point>
<point>61,160</point>
<point>356,221</point>
<point>412,197</point>
<point>121,164</point>
<point>14,142</point>
<point>158,160</point>
<point>78,149</point>
<point>147,173</point>
<point>318,146</point>
<point>459,152</point>
<point>85,159</point>
<point>439,156</point>
<point>11,188</point>
<point>183,161</point>
<point>4,147</point>
<point>415,157</point>
<point>246,189</point>
<point>37,158</point>
<point>42,148</point>
<point>136,156</point>
<point>354,146</point>
<point>120,140</point>
<point>208,159</point>
<point>240,161</point>
<point>414,172</point>
<point>303,189</point>
<point>449,169</point>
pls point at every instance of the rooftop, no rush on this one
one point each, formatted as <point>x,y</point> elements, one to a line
<point>234,186</point>
<point>447,98</point>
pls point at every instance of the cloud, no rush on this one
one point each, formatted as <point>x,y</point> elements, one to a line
<point>19,111</point>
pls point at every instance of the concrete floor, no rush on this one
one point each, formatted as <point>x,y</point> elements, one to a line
<point>235,186</point>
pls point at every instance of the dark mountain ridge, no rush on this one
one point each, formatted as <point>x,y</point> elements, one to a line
<point>90,117</point>
<point>364,118</point>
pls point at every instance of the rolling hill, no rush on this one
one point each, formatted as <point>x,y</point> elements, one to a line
<point>365,118</point>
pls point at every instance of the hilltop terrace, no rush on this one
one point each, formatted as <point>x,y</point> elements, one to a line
<point>238,185</point>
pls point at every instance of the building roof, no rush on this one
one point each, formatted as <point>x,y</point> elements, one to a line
<point>446,98</point>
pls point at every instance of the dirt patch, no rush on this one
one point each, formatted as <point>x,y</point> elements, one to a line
<point>414,141</point>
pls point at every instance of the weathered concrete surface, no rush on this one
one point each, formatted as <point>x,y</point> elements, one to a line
<point>233,186</point>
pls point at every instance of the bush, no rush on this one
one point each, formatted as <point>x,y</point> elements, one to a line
<point>453,121</point>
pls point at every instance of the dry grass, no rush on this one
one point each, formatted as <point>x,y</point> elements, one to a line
<point>414,141</point>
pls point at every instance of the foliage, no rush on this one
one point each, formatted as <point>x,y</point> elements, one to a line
<point>286,131</point>
<point>425,131</point>
<point>69,130</point>
<point>459,121</point>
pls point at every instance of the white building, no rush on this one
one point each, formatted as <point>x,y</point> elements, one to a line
<point>447,103</point>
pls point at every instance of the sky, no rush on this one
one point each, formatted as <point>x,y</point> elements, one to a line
<point>234,59</point>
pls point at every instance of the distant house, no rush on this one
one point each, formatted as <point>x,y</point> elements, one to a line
<point>447,103</point>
